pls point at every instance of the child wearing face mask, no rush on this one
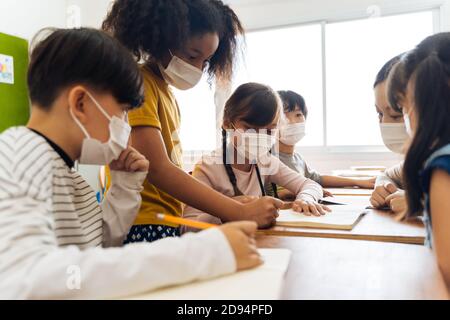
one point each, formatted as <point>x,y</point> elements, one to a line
<point>177,42</point>
<point>419,87</point>
<point>292,131</point>
<point>388,192</point>
<point>52,229</point>
<point>243,165</point>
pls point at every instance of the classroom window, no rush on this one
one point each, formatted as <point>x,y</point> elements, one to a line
<point>355,51</point>
<point>289,59</point>
<point>198,117</point>
<point>292,58</point>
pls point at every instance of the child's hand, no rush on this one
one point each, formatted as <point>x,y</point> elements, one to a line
<point>327,193</point>
<point>308,207</point>
<point>263,211</point>
<point>286,195</point>
<point>245,199</point>
<point>397,202</point>
<point>130,161</point>
<point>379,195</point>
<point>241,237</point>
<point>366,183</point>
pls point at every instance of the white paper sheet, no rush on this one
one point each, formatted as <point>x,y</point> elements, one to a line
<point>262,283</point>
<point>342,215</point>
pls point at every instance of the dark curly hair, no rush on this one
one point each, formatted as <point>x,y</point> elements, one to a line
<point>150,28</point>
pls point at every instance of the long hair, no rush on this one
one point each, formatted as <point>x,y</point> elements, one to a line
<point>428,67</point>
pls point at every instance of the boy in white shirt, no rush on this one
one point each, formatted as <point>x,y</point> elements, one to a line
<point>52,229</point>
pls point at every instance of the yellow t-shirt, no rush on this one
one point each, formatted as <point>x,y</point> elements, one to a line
<point>160,110</point>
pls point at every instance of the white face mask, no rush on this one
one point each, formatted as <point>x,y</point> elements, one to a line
<point>407,120</point>
<point>254,146</point>
<point>181,74</point>
<point>292,133</point>
<point>394,136</point>
<point>95,152</point>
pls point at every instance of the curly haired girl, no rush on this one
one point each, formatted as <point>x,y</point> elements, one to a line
<point>177,41</point>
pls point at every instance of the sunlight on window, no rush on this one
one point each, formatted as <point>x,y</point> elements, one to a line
<point>355,51</point>
<point>289,59</point>
<point>198,117</point>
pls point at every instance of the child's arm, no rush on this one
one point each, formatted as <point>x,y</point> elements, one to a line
<point>307,192</point>
<point>123,200</point>
<point>440,215</point>
<point>341,182</point>
<point>328,181</point>
<point>387,184</point>
<point>33,266</point>
<point>392,175</point>
<point>209,175</point>
<point>171,179</point>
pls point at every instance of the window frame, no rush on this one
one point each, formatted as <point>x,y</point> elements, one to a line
<point>325,148</point>
<point>439,21</point>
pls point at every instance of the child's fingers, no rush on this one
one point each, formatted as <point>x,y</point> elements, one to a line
<point>390,198</point>
<point>139,165</point>
<point>390,187</point>
<point>398,205</point>
<point>312,207</point>
<point>123,156</point>
<point>132,157</point>
<point>247,227</point>
<point>252,248</point>
<point>378,199</point>
<point>305,208</point>
<point>321,209</point>
<point>374,203</point>
<point>278,203</point>
<point>255,260</point>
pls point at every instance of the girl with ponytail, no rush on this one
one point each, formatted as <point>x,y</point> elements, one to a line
<point>420,87</point>
<point>243,165</point>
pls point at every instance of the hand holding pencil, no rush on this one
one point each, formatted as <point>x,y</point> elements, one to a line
<point>240,236</point>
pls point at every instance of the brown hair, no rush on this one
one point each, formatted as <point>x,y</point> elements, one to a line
<point>257,105</point>
<point>254,103</point>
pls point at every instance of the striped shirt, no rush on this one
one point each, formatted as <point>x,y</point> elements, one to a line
<point>50,221</point>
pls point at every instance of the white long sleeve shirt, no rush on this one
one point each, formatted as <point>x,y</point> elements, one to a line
<point>57,242</point>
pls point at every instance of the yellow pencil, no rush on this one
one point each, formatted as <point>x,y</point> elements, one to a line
<point>185,222</point>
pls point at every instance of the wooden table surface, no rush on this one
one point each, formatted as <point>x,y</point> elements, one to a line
<point>349,269</point>
<point>376,225</point>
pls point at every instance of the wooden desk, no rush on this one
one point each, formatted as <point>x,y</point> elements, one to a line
<point>347,269</point>
<point>375,226</point>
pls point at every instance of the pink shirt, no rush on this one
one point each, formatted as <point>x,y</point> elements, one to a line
<point>211,171</point>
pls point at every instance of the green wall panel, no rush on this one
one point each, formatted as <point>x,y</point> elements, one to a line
<point>14,101</point>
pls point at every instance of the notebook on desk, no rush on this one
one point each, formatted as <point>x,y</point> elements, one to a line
<point>343,217</point>
<point>350,191</point>
<point>262,283</point>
